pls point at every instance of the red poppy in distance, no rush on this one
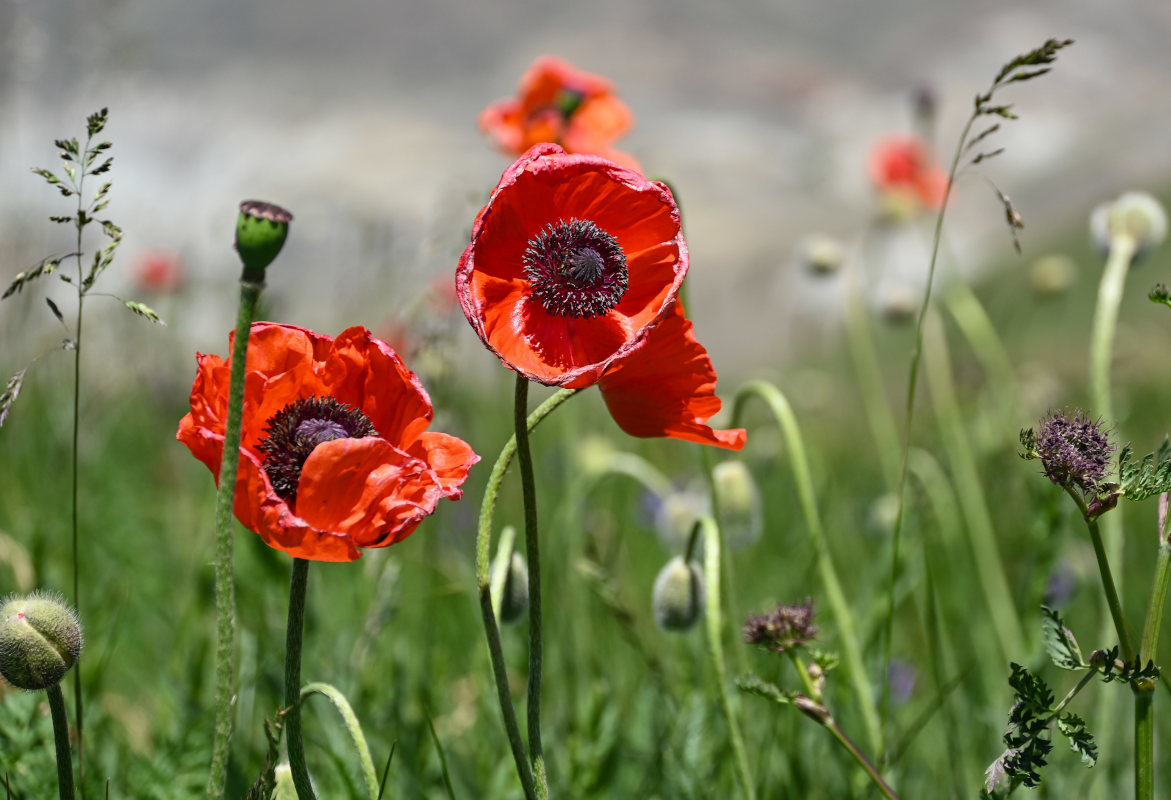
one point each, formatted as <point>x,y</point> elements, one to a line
<point>560,104</point>
<point>335,454</point>
<point>901,165</point>
<point>574,266</point>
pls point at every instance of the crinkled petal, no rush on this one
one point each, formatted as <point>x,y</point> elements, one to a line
<point>667,387</point>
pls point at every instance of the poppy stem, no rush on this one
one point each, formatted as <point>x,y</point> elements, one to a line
<point>483,562</point>
<point>61,738</point>
<point>293,637</point>
<point>225,588</point>
<point>533,554</point>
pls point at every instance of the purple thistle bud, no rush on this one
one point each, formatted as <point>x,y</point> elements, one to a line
<point>1074,450</point>
<point>786,628</point>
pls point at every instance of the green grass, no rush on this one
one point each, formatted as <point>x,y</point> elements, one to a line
<point>629,711</point>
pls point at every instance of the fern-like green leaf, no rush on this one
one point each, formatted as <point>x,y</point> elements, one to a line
<point>1059,640</point>
<point>1081,742</point>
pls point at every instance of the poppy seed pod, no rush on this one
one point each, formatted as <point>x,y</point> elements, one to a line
<point>678,595</point>
<point>261,230</point>
<point>514,598</point>
<point>738,501</point>
<point>40,640</point>
<point>1134,214</point>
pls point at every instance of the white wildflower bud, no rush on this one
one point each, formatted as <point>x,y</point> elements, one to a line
<point>1134,214</point>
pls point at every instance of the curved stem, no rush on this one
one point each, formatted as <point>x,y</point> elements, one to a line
<point>851,652</point>
<point>483,583</point>
<point>225,588</point>
<point>715,649</point>
<point>61,739</point>
<point>293,693</point>
<point>353,726</point>
<point>533,554</point>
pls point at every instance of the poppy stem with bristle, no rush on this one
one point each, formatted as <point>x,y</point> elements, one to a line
<point>61,738</point>
<point>483,583</point>
<point>293,638</point>
<point>225,589</point>
<point>533,554</point>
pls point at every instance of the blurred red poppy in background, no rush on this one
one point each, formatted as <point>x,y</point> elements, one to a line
<point>563,105</point>
<point>901,165</point>
<point>571,279</point>
<point>334,451</point>
<point>158,272</point>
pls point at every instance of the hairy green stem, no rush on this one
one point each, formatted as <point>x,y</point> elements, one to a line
<point>293,638</point>
<point>483,584</point>
<point>353,727</point>
<point>524,459</point>
<point>839,608</point>
<point>225,587</point>
<point>61,740</point>
<point>1144,692</point>
<point>715,649</point>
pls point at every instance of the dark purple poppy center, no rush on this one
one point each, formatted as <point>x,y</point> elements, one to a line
<point>576,269</point>
<point>297,429</point>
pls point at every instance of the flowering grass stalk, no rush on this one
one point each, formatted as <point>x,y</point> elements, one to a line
<point>524,769</point>
<point>839,608</point>
<point>1022,68</point>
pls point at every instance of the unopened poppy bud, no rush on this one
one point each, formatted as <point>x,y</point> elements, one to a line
<point>1134,214</point>
<point>40,640</point>
<point>514,597</point>
<point>678,595</point>
<point>261,230</point>
<point>738,501</point>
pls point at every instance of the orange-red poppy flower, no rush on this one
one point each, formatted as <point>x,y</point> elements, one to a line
<point>571,279</point>
<point>560,104</point>
<point>159,272</point>
<point>335,454</point>
<point>901,165</point>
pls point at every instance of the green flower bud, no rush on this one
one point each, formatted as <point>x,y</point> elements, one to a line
<point>738,500</point>
<point>678,595</point>
<point>40,640</point>
<point>514,599</point>
<point>261,230</point>
<point>1134,214</point>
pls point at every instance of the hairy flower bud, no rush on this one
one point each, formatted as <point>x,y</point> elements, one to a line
<point>514,598</point>
<point>261,230</point>
<point>40,640</point>
<point>738,501</point>
<point>678,595</point>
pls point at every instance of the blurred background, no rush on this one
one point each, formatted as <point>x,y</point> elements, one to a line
<point>360,117</point>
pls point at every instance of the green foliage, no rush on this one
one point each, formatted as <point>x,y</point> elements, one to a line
<point>1081,742</point>
<point>1059,641</point>
<point>755,685</point>
<point>1146,478</point>
<point>1160,294</point>
<point>1113,668</point>
<point>1027,737</point>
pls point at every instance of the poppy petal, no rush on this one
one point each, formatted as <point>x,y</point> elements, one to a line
<point>667,388</point>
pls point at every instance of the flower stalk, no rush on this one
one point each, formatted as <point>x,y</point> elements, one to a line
<point>225,588</point>
<point>293,638</point>
<point>61,740</point>
<point>483,582</point>
<point>843,617</point>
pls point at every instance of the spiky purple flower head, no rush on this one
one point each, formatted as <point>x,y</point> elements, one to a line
<point>786,628</point>
<point>1074,449</point>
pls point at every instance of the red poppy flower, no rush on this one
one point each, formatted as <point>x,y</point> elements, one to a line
<point>334,451</point>
<point>159,272</point>
<point>560,104</point>
<point>901,165</point>
<point>571,279</point>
